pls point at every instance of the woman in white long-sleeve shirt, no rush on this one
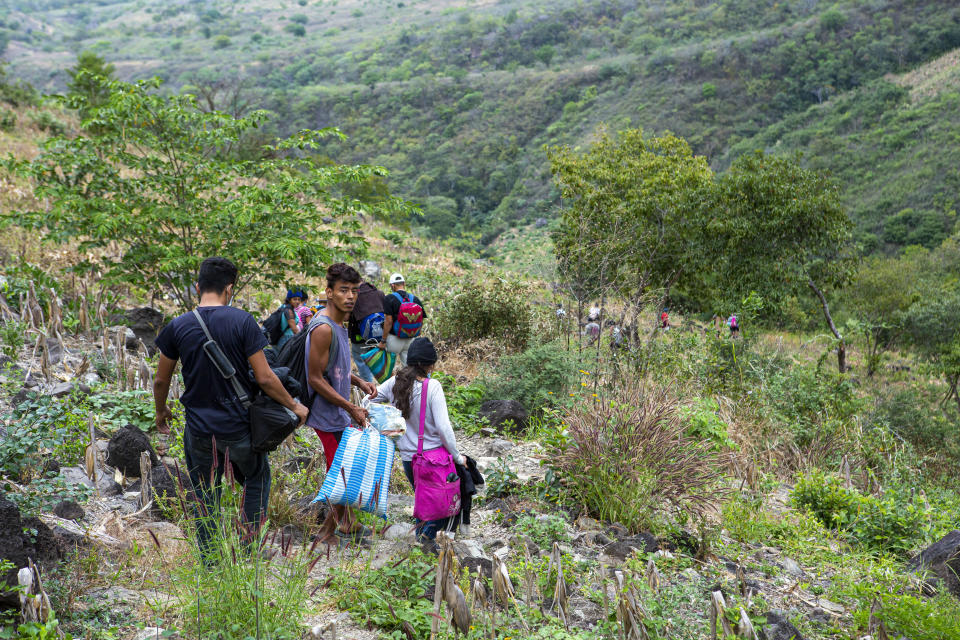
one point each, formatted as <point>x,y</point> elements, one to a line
<point>403,391</point>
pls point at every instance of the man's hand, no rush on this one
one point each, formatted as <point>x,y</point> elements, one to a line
<point>382,345</point>
<point>162,419</point>
<point>302,413</point>
<point>358,415</point>
<point>369,388</point>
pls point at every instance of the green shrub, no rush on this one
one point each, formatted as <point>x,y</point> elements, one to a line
<point>299,18</point>
<point>536,378</point>
<point>8,119</point>
<point>919,420</point>
<point>544,530</point>
<point>463,403</point>
<point>490,308</point>
<point>221,42</point>
<point>703,423</point>
<point>629,461</point>
<point>296,29</point>
<point>894,522</point>
<point>13,335</point>
<point>44,121</point>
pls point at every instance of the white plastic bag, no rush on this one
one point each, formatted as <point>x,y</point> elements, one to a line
<point>386,418</point>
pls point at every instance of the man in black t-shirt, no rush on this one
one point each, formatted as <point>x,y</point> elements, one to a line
<point>216,422</point>
<point>391,309</point>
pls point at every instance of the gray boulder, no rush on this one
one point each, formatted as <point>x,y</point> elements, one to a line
<point>779,628</point>
<point>499,412</point>
<point>370,270</point>
<point>941,564</point>
<point>68,510</point>
<point>540,223</point>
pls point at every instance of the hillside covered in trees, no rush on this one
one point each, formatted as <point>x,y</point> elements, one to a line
<point>457,100</point>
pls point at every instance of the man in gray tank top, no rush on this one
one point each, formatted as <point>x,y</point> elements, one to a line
<point>330,378</point>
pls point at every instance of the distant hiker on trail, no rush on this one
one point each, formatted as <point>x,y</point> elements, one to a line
<point>284,323</point>
<point>616,338</point>
<point>404,392</point>
<point>734,325</point>
<point>303,312</point>
<point>594,313</point>
<point>217,425</point>
<point>665,319</point>
<point>330,408</point>
<point>403,318</point>
<point>592,332</point>
<point>366,326</point>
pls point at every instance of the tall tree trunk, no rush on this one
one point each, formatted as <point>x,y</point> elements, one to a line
<point>841,345</point>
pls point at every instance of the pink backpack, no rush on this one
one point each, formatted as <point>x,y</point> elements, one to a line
<point>435,495</point>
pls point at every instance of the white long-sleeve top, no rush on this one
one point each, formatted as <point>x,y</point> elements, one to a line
<point>437,430</point>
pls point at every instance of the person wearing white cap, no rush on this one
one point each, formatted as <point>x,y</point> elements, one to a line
<point>403,318</point>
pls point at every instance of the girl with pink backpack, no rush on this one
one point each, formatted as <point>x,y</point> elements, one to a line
<point>428,447</point>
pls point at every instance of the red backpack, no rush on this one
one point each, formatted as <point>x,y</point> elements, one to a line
<point>409,318</point>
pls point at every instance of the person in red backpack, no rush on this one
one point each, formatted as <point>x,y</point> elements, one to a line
<point>404,315</point>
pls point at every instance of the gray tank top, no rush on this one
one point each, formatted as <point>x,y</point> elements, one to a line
<point>323,415</point>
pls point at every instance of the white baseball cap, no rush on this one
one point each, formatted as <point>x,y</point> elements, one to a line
<point>396,278</point>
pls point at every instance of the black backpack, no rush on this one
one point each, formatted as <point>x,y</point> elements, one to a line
<point>273,326</point>
<point>293,355</point>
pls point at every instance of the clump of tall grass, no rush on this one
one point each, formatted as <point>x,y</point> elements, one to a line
<point>628,459</point>
<point>248,582</point>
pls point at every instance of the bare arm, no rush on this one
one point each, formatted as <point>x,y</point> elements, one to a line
<point>161,389</point>
<point>387,326</point>
<point>292,320</point>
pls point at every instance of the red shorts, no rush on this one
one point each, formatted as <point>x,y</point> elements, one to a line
<point>330,441</point>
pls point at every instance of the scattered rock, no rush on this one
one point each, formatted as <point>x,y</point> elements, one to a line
<point>399,531</point>
<point>62,390</point>
<point>618,531</point>
<point>69,510</point>
<point>106,485</point>
<point>91,379</point>
<point>47,548</point>
<point>691,574</point>
<point>163,481</point>
<point>169,536</point>
<point>125,448</point>
<point>621,549</point>
<point>779,628</point>
<point>54,350</point>
<point>116,596</point>
<point>792,568</point>
<point>130,341</point>
<point>593,539</point>
<point>145,322</point>
<point>51,465</point>
<point>498,412</point>
<point>152,633</point>
<point>540,223</point>
<point>587,524</point>
<point>370,270</point>
<point>499,447</point>
<point>831,607</point>
<point>941,562</point>
<point>24,395</point>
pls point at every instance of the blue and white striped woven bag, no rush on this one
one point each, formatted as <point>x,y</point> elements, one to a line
<point>360,474</point>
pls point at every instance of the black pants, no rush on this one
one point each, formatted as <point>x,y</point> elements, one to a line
<point>251,470</point>
<point>429,528</point>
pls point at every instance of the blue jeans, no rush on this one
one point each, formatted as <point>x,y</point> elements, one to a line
<point>356,350</point>
<point>251,470</point>
<point>429,528</point>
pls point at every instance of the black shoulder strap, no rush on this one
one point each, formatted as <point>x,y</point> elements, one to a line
<point>237,387</point>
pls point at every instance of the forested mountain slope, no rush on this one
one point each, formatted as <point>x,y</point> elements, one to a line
<point>458,99</point>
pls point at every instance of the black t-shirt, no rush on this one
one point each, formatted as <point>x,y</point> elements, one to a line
<point>211,404</point>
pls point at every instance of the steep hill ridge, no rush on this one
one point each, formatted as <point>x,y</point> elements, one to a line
<point>458,99</point>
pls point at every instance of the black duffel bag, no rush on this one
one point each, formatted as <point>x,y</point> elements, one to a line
<point>270,423</point>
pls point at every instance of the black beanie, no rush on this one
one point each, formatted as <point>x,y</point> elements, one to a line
<point>421,353</point>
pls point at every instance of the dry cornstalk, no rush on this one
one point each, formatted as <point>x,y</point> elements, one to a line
<point>82,314</point>
<point>145,489</point>
<point>33,310</point>
<point>560,589</point>
<point>630,611</point>
<point>45,358</point>
<point>55,313</point>
<point>745,628</point>
<point>718,614</point>
<point>653,576</point>
<point>34,602</point>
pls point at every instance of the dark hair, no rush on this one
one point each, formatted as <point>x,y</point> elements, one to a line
<point>403,388</point>
<point>215,274</point>
<point>342,272</point>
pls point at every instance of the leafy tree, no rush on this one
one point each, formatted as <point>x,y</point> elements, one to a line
<point>90,79</point>
<point>630,221</point>
<point>779,229</point>
<point>155,175</point>
<point>933,329</point>
<point>296,29</point>
<point>879,296</point>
